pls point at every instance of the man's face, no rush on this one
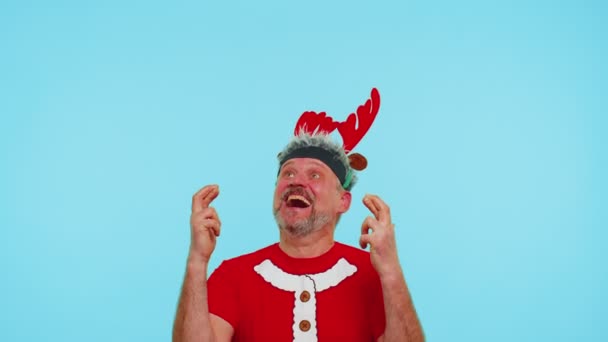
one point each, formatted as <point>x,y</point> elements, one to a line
<point>308,196</point>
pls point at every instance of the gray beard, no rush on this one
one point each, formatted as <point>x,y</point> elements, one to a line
<point>304,226</point>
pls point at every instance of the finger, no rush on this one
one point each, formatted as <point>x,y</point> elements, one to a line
<point>210,225</point>
<point>380,209</point>
<point>209,213</point>
<point>368,224</point>
<point>364,240</point>
<point>369,203</point>
<point>214,226</point>
<point>197,199</point>
<point>215,191</point>
<point>204,196</point>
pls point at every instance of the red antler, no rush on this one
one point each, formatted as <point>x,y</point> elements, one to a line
<point>313,123</point>
<point>364,118</point>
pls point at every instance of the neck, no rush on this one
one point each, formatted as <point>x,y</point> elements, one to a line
<point>310,246</point>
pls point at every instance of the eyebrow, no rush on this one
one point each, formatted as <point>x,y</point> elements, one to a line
<point>287,163</point>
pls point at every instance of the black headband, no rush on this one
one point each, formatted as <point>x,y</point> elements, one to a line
<point>329,158</point>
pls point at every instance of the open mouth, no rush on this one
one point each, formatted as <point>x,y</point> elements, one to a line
<point>297,201</point>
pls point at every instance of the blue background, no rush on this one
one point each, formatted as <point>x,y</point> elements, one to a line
<point>490,148</point>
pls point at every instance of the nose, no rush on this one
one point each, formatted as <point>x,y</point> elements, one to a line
<point>298,179</point>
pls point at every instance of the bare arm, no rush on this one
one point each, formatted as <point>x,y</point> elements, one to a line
<point>402,323</point>
<point>193,322</point>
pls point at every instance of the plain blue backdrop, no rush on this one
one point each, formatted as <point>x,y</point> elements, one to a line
<point>490,148</point>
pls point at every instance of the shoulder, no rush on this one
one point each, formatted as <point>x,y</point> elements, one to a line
<point>354,255</point>
<point>240,266</point>
<point>352,252</point>
<point>250,259</point>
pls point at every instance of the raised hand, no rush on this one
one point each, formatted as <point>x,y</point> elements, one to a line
<point>204,224</point>
<point>379,233</point>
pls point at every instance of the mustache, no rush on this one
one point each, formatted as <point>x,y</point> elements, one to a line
<point>299,191</point>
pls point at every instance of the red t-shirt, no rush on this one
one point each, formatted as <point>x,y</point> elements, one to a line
<point>270,296</point>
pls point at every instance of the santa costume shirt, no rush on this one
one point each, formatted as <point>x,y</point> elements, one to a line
<point>270,296</point>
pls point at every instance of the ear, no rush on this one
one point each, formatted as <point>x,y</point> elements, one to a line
<point>345,200</point>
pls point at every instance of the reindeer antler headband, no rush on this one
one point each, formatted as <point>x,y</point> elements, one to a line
<point>352,131</point>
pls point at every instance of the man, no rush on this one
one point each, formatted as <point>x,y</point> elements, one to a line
<point>307,287</point>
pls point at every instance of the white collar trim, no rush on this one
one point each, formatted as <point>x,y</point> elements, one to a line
<point>305,311</point>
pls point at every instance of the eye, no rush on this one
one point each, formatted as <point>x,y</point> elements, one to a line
<point>289,174</point>
<point>315,175</point>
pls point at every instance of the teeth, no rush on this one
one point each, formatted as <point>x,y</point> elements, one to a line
<point>298,197</point>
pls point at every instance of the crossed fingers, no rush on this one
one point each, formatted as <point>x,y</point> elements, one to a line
<point>204,197</point>
<point>202,214</point>
<point>380,224</point>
